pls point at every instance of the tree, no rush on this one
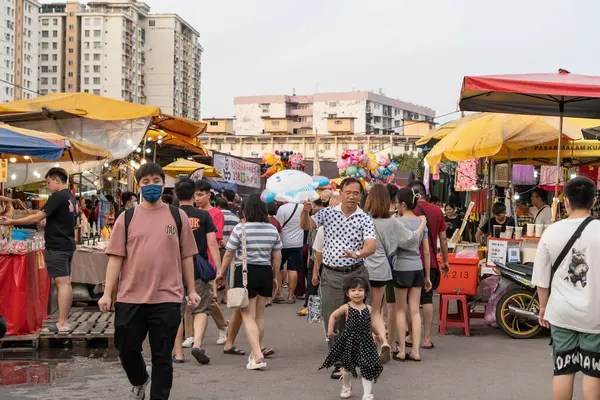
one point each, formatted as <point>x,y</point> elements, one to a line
<point>409,163</point>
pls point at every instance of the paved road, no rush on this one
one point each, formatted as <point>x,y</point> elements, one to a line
<point>486,365</point>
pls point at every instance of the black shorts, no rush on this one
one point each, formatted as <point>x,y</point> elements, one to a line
<point>378,283</point>
<point>408,279</point>
<point>58,263</point>
<point>260,280</point>
<point>293,257</point>
<point>427,297</point>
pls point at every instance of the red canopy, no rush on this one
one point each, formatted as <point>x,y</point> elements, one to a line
<point>535,94</point>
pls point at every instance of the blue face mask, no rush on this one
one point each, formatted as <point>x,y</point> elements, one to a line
<point>152,193</point>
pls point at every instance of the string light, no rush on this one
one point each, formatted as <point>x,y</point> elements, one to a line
<point>106,165</point>
<point>26,157</point>
<point>13,160</point>
<point>109,178</point>
<point>13,177</point>
<point>129,142</point>
<point>160,137</point>
<point>96,183</point>
<point>573,175</point>
<point>516,196</point>
<point>144,161</point>
<point>139,150</point>
<point>148,150</point>
<point>56,165</point>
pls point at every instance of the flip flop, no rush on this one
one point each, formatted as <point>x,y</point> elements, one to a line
<point>267,352</point>
<point>235,351</point>
<point>386,353</point>
<point>54,329</point>
<point>409,357</point>
<point>432,346</point>
<point>408,344</point>
<point>176,361</point>
<point>200,356</point>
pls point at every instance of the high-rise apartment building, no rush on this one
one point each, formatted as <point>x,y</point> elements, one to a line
<point>356,112</point>
<point>117,49</point>
<point>18,49</point>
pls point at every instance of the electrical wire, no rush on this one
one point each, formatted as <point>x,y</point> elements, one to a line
<point>20,87</point>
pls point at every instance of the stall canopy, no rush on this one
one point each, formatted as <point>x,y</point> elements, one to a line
<point>47,146</point>
<point>573,153</point>
<point>491,134</point>
<point>443,130</point>
<point>183,166</point>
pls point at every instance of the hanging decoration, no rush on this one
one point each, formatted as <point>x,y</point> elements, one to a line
<point>292,186</point>
<point>281,160</point>
<point>366,166</point>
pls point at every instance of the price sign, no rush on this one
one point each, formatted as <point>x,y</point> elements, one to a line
<point>497,252</point>
<point>3,170</point>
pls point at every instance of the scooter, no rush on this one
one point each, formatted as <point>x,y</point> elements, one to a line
<point>518,309</point>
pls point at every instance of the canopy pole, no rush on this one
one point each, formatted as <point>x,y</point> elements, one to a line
<point>489,194</point>
<point>511,189</point>
<point>561,107</point>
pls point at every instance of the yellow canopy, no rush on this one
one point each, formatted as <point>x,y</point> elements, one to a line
<point>445,129</point>
<point>175,139</point>
<point>181,126</point>
<point>183,166</point>
<point>82,104</point>
<point>581,151</point>
<point>79,151</point>
<point>491,134</point>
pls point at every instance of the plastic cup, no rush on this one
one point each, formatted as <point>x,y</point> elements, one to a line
<point>539,229</point>
<point>497,231</point>
<point>518,232</point>
<point>508,234</point>
<point>530,230</point>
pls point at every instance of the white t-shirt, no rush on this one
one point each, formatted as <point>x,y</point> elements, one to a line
<point>575,295</point>
<point>292,235</point>
<point>319,241</point>
<point>544,215</point>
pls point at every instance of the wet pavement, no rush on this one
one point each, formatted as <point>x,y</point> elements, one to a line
<point>486,365</point>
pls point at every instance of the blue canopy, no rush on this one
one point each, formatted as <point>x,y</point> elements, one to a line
<point>13,142</point>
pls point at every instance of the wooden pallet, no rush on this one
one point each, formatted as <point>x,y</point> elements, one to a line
<point>89,328</point>
<point>19,343</point>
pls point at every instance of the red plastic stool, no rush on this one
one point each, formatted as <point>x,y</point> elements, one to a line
<point>458,320</point>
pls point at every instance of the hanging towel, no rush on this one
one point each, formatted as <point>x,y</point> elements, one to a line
<point>523,175</point>
<point>548,177</point>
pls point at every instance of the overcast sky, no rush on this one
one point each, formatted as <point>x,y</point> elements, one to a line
<point>415,50</point>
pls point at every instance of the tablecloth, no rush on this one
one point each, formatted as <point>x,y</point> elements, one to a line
<point>89,266</point>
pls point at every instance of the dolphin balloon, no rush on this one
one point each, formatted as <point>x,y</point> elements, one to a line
<point>292,186</point>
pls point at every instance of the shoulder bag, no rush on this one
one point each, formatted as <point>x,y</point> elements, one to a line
<point>389,257</point>
<point>290,217</point>
<point>430,236</point>
<point>238,297</point>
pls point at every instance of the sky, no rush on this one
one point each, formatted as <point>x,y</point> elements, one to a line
<point>414,50</point>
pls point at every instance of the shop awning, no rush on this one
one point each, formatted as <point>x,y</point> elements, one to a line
<point>575,152</point>
<point>183,166</point>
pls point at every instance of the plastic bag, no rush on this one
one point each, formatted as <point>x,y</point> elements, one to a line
<point>314,309</point>
<point>469,253</point>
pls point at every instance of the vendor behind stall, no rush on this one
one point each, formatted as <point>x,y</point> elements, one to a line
<point>524,216</point>
<point>541,211</point>
<point>498,218</point>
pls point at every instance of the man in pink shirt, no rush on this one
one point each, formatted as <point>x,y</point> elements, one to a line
<point>202,200</point>
<point>150,254</point>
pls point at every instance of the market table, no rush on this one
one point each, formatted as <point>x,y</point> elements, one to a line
<point>89,266</point>
<point>24,289</point>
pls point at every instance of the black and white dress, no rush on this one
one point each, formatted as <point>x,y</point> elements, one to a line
<point>355,347</point>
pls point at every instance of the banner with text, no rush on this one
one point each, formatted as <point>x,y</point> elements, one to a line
<point>234,170</point>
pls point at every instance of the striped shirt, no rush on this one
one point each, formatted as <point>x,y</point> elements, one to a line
<point>231,220</point>
<point>261,240</point>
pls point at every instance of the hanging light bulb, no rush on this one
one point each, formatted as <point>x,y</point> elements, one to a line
<point>13,177</point>
<point>129,142</point>
<point>516,196</point>
<point>13,160</point>
<point>160,137</point>
<point>132,163</point>
<point>56,165</point>
<point>149,138</point>
<point>573,175</point>
<point>139,150</point>
<point>26,157</point>
<point>109,178</point>
<point>96,183</point>
<point>535,173</point>
<point>106,165</point>
<point>148,150</point>
<point>159,141</point>
<point>144,161</point>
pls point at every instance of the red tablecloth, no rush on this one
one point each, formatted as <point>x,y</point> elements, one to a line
<point>24,289</point>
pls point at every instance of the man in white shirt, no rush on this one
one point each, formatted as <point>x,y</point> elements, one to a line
<point>572,308</point>
<point>292,237</point>
<point>541,211</point>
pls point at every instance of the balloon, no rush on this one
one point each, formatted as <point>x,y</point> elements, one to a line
<point>372,156</point>
<point>392,167</point>
<point>372,165</point>
<point>381,170</point>
<point>321,180</point>
<point>292,186</point>
<point>269,159</point>
<point>383,161</point>
<point>363,173</point>
<point>342,164</point>
<point>351,170</point>
<point>342,173</point>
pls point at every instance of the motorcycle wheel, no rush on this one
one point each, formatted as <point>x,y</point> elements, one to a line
<point>511,325</point>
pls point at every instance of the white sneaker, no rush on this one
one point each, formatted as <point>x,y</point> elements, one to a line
<point>368,397</point>
<point>223,334</point>
<point>187,343</point>
<point>346,392</point>
<point>139,392</point>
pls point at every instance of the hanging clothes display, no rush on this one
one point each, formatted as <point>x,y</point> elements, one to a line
<point>548,177</point>
<point>523,175</point>
<point>441,188</point>
<point>501,175</point>
<point>466,175</point>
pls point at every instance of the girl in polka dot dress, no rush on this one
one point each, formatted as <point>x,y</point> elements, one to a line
<point>355,347</point>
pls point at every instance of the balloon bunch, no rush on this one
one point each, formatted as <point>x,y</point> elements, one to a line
<point>367,166</point>
<point>280,160</point>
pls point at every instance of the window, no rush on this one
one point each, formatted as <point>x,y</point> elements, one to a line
<point>54,46</point>
<point>70,38</point>
<point>55,21</point>
<point>96,68</point>
<point>214,123</point>
<point>71,27</point>
<point>86,33</point>
<point>97,21</point>
<point>70,86</point>
<point>70,74</point>
<point>86,57</point>
<point>71,50</point>
<point>55,34</point>
<point>87,21</point>
<point>44,57</point>
<point>304,106</point>
<point>42,91</point>
<point>265,107</point>
<point>45,34</point>
<point>44,68</point>
<point>337,122</point>
<point>44,45</point>
<point>333,104</point>
<point>96,56</point>
<point>275,123</point>
<point>44,81</point>
<point>54,81</point>
<point>97,45</point>
<point>331,115</point>
<point>151,22</point>
<point>45,22</point>
<point>97,92</point>
<point>86,81</point>
<point>86,68</point>
<point>96,81</point>
<point>406,147</point>
<point>97,33</point>
<point>70,62</point>
<point>86,45</point>
<point>54,68</point>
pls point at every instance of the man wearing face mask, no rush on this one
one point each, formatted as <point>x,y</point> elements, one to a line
<point>151,255</point>
<point>129,200</point>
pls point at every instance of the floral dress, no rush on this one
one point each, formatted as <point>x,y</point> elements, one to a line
<point>355,347</point>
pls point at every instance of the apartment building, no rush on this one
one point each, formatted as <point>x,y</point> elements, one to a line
<point>118,49</point>
<point>173,86</point>
<point>18,49</point>
<point>371,113</point>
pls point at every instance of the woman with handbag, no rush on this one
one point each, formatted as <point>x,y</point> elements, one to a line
<point>256,246</point>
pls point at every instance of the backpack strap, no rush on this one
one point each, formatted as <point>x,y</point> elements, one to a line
<point>290,217</point>
<point>430,236</point>
<point>174,212</point>
<point>128,217</point>
<point>568,246</point>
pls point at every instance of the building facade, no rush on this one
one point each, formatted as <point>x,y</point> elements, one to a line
<point>117,49</point>
<point>371,113</point>
<point>19,34</point>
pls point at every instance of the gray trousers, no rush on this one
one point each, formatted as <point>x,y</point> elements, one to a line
<point>331,291</point>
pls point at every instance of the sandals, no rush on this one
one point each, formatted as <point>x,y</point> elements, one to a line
<point>386,353</point>
<point>200,356</point>
<point>430,347</point>
<point>337,373</point>
<point>176,361</point>
<point>410,357</point>
<point>53,328</point>
<point>253,365</point>
<point>395,357</point>
<point>234,351</point>
<point>267,352</point>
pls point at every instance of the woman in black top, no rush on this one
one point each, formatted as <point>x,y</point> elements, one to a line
<point>498,218</point>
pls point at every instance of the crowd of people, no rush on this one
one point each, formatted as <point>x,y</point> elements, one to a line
<point>361,253</point>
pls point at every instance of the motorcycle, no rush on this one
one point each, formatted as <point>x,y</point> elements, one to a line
<point>518,308</point>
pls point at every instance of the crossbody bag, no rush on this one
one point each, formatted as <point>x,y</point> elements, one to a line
<point>238,297</point>
<point>567,248</point>
<point>390,258</point>
<point>290,217</point>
